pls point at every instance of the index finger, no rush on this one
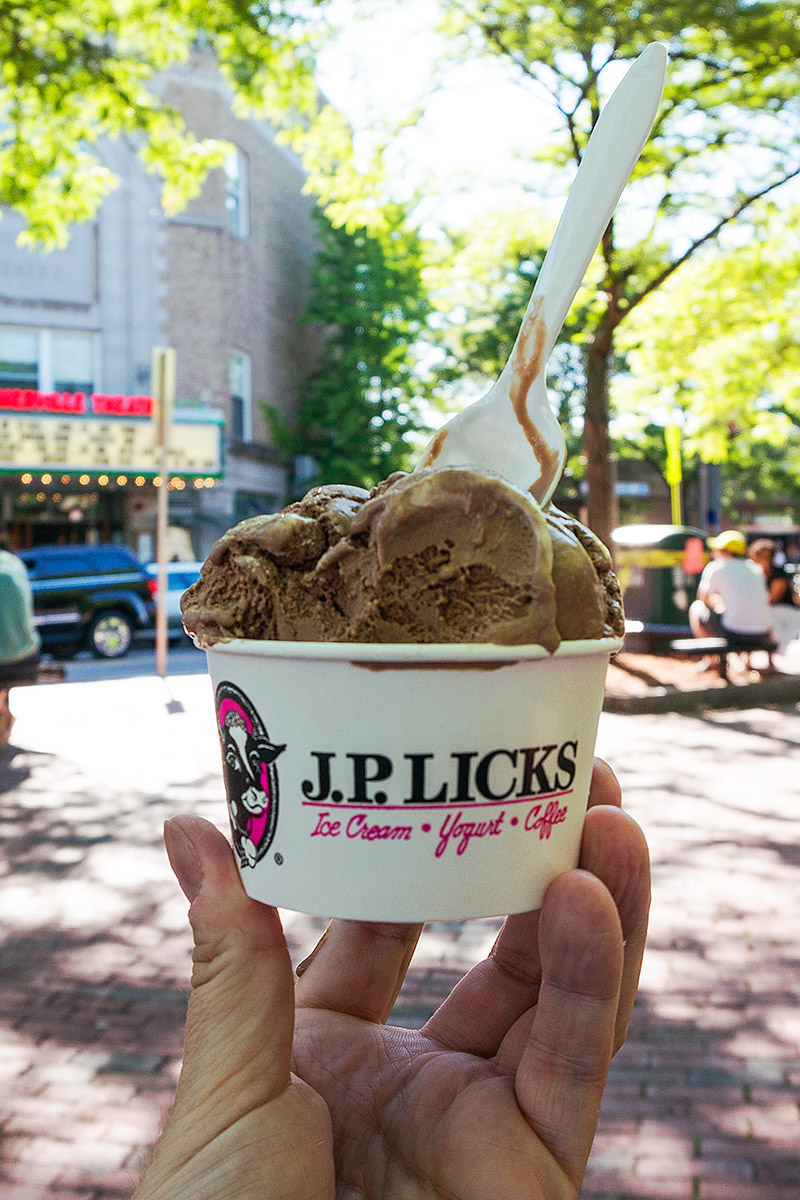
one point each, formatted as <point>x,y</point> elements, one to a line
<point>358,968</point>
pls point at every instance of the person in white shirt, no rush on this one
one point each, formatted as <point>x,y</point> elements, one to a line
<point>732,597</point>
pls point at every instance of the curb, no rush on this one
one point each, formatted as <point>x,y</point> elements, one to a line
<point>784,689</point>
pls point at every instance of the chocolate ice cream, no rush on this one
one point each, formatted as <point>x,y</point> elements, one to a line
<point>447,554</point>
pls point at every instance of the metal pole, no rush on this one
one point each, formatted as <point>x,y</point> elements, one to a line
<point>163,387</point>
<point>710,497</point>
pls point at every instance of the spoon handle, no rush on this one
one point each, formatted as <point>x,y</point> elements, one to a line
<point>616,142</point>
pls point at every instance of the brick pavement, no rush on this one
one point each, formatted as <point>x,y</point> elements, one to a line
<point>703,1099</point>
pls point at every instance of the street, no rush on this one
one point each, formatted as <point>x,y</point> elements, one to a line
<point>182,659</point>
<point>702,1102</point>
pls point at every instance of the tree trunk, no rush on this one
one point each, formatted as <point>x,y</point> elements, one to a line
<point>602,514</point>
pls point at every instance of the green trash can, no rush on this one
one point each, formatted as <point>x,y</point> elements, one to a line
<point>659,568</point>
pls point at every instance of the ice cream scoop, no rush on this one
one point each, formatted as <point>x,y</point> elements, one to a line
<point>445,555</point>
<point>512,429</point>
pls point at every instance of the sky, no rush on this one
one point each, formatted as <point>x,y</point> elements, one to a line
<point>465,143</point>
<point>475,147</point>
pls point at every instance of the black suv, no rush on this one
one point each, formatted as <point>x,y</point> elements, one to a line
<point>88,598</point>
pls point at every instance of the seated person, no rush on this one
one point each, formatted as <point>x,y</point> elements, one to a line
<point>732,597</point>
<point>19,641</point>
<point>785,613</point>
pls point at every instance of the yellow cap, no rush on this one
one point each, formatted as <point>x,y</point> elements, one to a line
<point>730,540</point>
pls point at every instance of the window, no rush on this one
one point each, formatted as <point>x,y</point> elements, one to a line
<point>241,390</point>
<point>19,358</point>
<point>253,504</point>
<point>47,359</point>
<point>72,362</point>
<point>236,192</point>
<point>114,559</point>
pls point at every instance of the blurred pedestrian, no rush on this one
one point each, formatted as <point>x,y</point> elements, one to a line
<point>732,597</point>
<point>19,640</point>
<point>785,614</point>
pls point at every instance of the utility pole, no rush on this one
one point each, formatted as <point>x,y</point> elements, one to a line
<point>710,497</point>
<point>163,389</point>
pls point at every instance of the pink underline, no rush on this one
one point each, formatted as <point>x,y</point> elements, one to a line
<point>439,806</point>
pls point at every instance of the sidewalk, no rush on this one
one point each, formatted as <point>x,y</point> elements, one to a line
<point>649,683</point>
<point>703,1099</point>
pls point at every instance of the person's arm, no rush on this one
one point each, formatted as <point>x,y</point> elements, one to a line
<point>705,588</point>
<point>778,588</point>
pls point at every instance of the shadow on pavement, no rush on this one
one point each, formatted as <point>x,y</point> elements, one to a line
<point>17,765</point>
<point>777,744</point>
<point>700,1105</point>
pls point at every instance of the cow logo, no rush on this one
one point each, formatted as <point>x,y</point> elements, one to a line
<point>251,779</point>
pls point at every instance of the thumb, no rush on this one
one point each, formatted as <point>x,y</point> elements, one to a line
<point>241,1126</point>
<point>240,1021</point>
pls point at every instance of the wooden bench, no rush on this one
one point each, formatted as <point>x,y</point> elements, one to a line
<point>722,647</point>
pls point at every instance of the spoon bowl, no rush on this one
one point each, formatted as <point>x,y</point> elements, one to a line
<point>512,429</point>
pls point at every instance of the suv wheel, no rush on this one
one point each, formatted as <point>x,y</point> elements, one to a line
<point>110,634</point>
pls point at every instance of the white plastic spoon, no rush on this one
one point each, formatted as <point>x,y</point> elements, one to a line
<point>513,429</point>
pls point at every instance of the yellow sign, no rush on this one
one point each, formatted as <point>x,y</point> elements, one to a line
<point>93,445</point>
<point>636,557</point>
<point>649,558</point>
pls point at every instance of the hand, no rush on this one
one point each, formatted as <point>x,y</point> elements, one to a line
<point>497,1096</point>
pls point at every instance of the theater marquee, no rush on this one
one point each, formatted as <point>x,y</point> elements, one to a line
<point>66,431</point>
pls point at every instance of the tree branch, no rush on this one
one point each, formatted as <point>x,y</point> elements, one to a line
<point>694,246</point>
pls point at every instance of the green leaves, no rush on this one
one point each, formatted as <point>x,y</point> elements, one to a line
<point>722,339</point>
<point>358,407</point>
<point>72,76</point>
<point>726,137</point>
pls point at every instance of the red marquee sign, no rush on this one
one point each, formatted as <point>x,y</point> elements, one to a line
<point>98,404</point>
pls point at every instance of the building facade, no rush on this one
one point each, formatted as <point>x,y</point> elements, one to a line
<point>224,283</point>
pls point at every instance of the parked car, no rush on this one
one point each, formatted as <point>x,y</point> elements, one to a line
<point>88,598</point>
<point>180,576</point>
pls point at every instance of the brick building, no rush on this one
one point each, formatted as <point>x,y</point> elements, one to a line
<point>224,283</point>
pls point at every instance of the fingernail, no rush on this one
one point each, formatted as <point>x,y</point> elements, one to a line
<point>303,966</point>
<point>184,859</point>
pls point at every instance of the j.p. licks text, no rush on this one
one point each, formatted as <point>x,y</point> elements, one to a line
<point>463,777</point>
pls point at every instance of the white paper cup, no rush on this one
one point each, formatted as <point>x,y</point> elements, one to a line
<point>406,782</point>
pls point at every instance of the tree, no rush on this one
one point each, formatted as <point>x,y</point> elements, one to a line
<point>760,481</point>
<point>357,408</point>
<point>726,136</point>
<point>722,340</point>
<point>73,75</point>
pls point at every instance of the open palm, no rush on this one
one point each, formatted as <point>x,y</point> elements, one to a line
<point>496,1098</point>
